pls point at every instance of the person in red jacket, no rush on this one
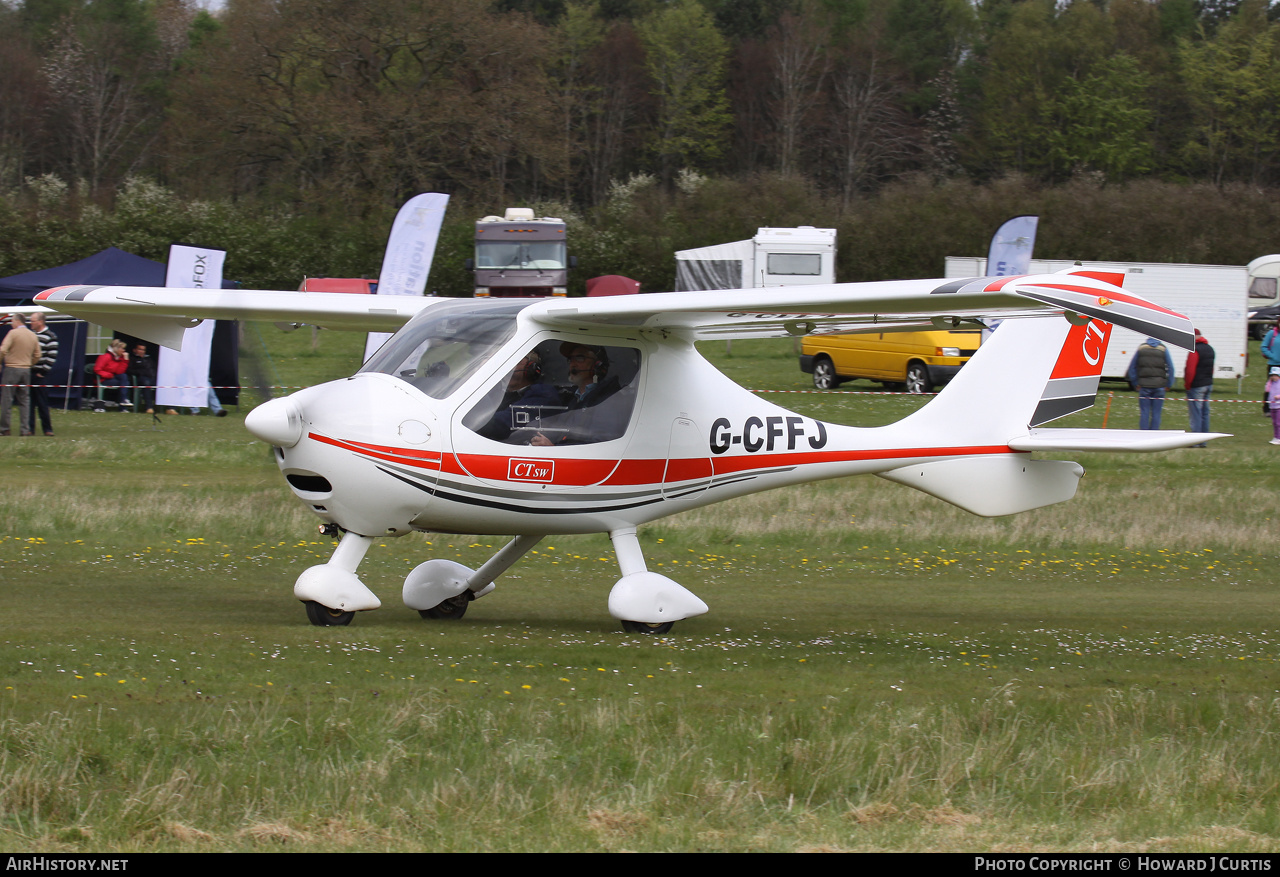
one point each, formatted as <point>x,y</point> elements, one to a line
<point>1198,379</point>
<point>110,369</point>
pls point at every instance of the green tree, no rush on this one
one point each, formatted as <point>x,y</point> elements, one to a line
<point>1027,65</point>
<point>927,38</point>
<point>685,56</point>
<point>1104,121</point>
<point>1233,86</point>
<point>359,102</point>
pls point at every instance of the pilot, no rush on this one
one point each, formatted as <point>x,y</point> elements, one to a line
<point>523,400</point>
<point>588,367</point>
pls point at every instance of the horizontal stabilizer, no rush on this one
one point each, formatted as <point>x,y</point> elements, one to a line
<point>995,485</point>
<point>1110,439</point>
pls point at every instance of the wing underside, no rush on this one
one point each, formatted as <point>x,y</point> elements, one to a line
<point>162,314</point>
<point>869,307</point>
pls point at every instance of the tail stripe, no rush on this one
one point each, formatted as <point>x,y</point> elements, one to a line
<point>1061,401</point>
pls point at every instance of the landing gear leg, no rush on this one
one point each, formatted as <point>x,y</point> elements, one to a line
<point>332,591</point>
<point>646,602</point>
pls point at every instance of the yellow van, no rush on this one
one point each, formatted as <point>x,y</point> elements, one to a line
<point>912,361</point>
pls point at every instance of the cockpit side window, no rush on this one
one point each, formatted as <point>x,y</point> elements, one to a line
<point>561,393</point>
<point>445,344</point>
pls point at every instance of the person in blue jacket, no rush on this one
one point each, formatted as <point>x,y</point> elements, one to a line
<point>1271,346</point>
<point>1151,373</point>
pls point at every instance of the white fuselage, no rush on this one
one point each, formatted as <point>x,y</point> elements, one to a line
<point>377,456</point>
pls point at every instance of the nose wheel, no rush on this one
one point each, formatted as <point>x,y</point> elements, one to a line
<point>322,616</point>
<point>647,628</point>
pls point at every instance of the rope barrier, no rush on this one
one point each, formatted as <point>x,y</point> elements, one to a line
<point>157,387</point>
<point>1215,399</point>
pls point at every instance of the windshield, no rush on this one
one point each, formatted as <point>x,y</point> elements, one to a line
<point>548,255</point>
<point>441,347</point>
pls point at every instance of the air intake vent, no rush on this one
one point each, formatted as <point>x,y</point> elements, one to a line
<point>309,483</point>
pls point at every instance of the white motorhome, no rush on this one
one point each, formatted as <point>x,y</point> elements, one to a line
<point>1264,297</point>
<point>774,257</point>
<point>1217,298</point>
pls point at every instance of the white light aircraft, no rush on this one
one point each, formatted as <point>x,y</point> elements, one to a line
<point>537,417</point>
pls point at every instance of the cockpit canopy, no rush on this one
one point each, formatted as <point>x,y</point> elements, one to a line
<point>441,347</point>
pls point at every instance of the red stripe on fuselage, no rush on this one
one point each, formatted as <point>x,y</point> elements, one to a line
<point>635,473</point>
<point>408,456</point>
<point>568,471</point>
<point>726,465</point>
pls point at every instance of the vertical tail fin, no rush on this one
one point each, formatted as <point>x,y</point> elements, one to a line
<point>1030,371</point>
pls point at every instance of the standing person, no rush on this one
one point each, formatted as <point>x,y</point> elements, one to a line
<point>1151,373</point>
<point>215,407</point>
<point>1271,346</point>
<point>40,375</point>
<point>1197,377</point>
<point>1271,401</point>
<point>19,352</point>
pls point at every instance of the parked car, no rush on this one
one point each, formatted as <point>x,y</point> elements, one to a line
<point>912,361</point>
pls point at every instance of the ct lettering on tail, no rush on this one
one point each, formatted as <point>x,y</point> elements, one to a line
<point>1073,384</point>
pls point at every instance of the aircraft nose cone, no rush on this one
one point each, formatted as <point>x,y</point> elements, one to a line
<point>277,422</point>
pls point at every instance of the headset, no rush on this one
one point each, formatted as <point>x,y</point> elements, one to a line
<point>533,366</point>
<point>602,362</point>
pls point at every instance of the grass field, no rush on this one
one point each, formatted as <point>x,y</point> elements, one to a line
<point>878,671</point>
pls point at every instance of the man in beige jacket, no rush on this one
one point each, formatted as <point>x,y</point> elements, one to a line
<point>19,352</point>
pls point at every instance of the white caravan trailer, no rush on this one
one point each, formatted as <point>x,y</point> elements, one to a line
<point>774,257</point>
<point>1215,297</point>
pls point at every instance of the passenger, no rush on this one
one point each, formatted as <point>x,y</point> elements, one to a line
<point>588,375</point>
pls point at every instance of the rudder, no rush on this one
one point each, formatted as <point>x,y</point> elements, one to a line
<point>1073,383</point>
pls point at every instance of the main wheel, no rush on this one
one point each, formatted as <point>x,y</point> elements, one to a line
<point>918,378</point>
<point>322,616</point>
<point>824,374</point>
<point>646,628</point>
<point>451,609</point>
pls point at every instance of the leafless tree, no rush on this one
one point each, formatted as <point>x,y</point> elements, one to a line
<point>100,88</point>
<point>24,110</point>
<point>797,62</point>
<point>870,133</point>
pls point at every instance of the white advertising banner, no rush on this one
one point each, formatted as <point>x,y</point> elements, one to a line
<point>1011,247</point>
<point>182,377</point>
<point>410,249</point>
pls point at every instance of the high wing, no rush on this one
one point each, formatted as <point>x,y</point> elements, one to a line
<point>872,307</point>
<point>161,314</point>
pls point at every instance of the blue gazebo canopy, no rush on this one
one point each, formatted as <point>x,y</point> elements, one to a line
<point>111,267</point>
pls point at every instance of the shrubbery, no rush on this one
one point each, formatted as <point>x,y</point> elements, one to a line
<point>903,231</point>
